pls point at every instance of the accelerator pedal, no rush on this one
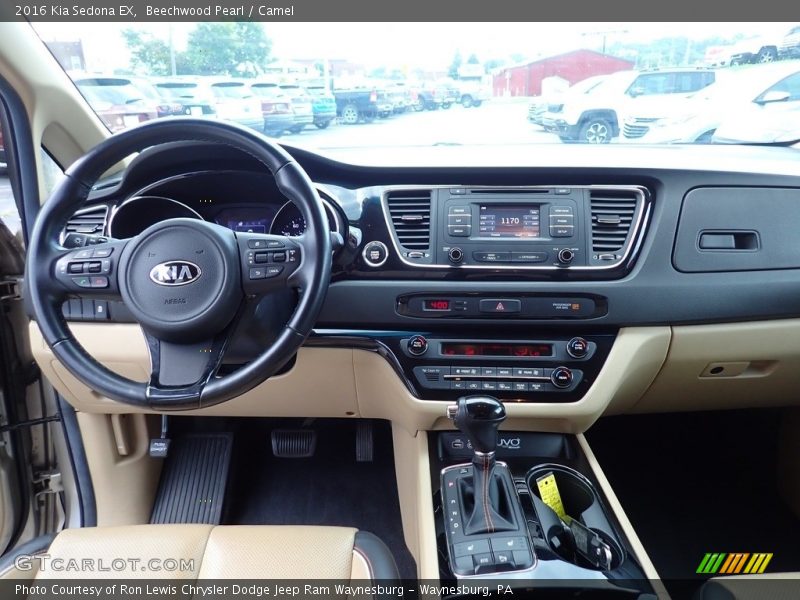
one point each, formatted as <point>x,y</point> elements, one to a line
<point>294,443</point>
<point>193,480</point>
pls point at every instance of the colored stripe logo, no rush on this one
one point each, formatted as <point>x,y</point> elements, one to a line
<point>723,563</point>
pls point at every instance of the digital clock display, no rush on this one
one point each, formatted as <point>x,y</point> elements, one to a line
<point>436,304</point>
<point>509,221</point>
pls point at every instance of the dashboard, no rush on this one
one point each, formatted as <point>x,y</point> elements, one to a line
<point>514,279</point>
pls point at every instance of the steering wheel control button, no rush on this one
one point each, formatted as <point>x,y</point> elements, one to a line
<point>257,273</point>
<point>261,257</point>
<point>500,305</point>
<point>102,252</point>
<point>417,345</point>
<point>577,347</point>
<point>94,267</point>
<point>83,254</point>
<point>274,244</point>
<point>99,282</point>
<point>375,254</point>
<point>257,244</point>
<point>75,268</point>
<point>279,257</point>
<point>83,282</point>
<point>561,377</point>
<point>272,271</point>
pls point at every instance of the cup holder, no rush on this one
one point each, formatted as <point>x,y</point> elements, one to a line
<point>580,502</point>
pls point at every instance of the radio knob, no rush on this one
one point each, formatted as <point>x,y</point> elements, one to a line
<point>561,377</point>
<point>565,256</point>
<point>577,347</point>
<point>456,255</point>
<point>417,345</point>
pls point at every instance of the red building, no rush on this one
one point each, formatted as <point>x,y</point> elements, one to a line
<point>526,80</point>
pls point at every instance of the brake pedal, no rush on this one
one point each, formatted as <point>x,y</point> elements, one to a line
<point>294,443</point>
<point>364,441</point>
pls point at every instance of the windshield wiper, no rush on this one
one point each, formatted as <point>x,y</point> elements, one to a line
<point>774,144</point>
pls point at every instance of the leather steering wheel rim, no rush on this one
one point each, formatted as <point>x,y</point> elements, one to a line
<point>310,276</point>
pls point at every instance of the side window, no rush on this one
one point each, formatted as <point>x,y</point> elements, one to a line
<point>791,85</point>
<point>9,214</point>
<point>652,83</point>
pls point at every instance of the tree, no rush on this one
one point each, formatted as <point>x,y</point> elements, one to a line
<point>148,53</point>
<point>227,48</point>
<point>454,66</point>
<point>473,60</point>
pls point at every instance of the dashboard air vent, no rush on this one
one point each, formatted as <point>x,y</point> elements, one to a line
<point>410,211</point>
<point>89,221</point>
<point>612,217</point>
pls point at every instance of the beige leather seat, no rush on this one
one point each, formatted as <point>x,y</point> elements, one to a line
<point>190,552</point>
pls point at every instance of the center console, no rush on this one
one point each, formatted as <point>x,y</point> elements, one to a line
<point>497,519</point>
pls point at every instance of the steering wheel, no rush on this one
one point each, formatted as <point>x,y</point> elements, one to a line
<point>185,281</point>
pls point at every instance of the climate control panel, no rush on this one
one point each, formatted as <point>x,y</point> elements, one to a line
<point>551,368</point>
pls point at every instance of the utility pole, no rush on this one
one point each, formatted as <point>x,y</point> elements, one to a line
<point>172,65</point>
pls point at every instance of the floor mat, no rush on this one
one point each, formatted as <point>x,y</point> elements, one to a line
<point>330,488</point>
<point>696,483</point>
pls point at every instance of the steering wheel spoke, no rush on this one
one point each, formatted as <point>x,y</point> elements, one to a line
<point>269,262</point>
<point>90,271</point>
<point>180,372</point>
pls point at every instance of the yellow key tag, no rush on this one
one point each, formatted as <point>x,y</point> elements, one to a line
<point>548,490</point>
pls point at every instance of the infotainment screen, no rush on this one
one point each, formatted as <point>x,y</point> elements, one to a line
<point>509,221</point>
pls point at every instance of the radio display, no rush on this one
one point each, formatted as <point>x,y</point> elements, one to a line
<point>496,349</point>
<point>509,221</point>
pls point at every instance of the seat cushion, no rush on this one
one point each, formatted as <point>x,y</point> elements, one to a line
<point>214,552</point>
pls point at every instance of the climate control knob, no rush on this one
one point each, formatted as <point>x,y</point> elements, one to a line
<point>561,377</point>
<point>577,347</point>
<point>417,345</point>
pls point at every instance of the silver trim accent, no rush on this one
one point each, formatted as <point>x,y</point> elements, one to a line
<point>636,235</point>
<point>524,533</point>
<point>369,262</point>
<point>166,263</point>
<point>139,197</point>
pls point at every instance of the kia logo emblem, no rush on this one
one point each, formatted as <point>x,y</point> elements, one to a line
<point>175,272</point>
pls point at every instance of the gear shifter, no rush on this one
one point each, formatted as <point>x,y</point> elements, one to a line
<point>487,501</point>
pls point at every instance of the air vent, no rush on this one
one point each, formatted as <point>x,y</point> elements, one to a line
<point>89,221</point>
<point>410,211</point>
<point>612,216</point>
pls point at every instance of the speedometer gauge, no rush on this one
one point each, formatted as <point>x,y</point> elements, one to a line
<point>290,222</point>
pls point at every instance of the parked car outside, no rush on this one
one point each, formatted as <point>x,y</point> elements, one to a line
<point>760,49</point>
<point>188,95</point>
<point>595,118</point>
<point>230,98</point>
<point>738,96</point>
<point>166,107</point>
<point>538,106</point>
<point>357,104</point>
<point>323,103</point>
<point>302,106</point>
<point>790,44</point>
<point>276,107</point>
<point>116,101</point>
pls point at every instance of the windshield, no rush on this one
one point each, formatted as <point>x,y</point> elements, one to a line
<point>464,84</point>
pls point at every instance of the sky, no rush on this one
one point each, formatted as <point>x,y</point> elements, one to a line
<point>427,45</point>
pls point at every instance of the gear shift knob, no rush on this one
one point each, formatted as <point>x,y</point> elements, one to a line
<point>478,417</point>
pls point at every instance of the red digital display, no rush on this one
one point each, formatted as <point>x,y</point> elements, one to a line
<point>511,349</point>
<point>436,304</point>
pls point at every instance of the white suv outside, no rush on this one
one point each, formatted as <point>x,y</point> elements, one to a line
<point>595,118</point>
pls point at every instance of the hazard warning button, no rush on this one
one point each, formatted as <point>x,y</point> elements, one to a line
<point>500,305</point>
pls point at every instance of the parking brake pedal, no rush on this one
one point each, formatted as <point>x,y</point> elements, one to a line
<point>364,441</point>
<point>294,443</point>
<point>159,447</point>
<point>193,479</point>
